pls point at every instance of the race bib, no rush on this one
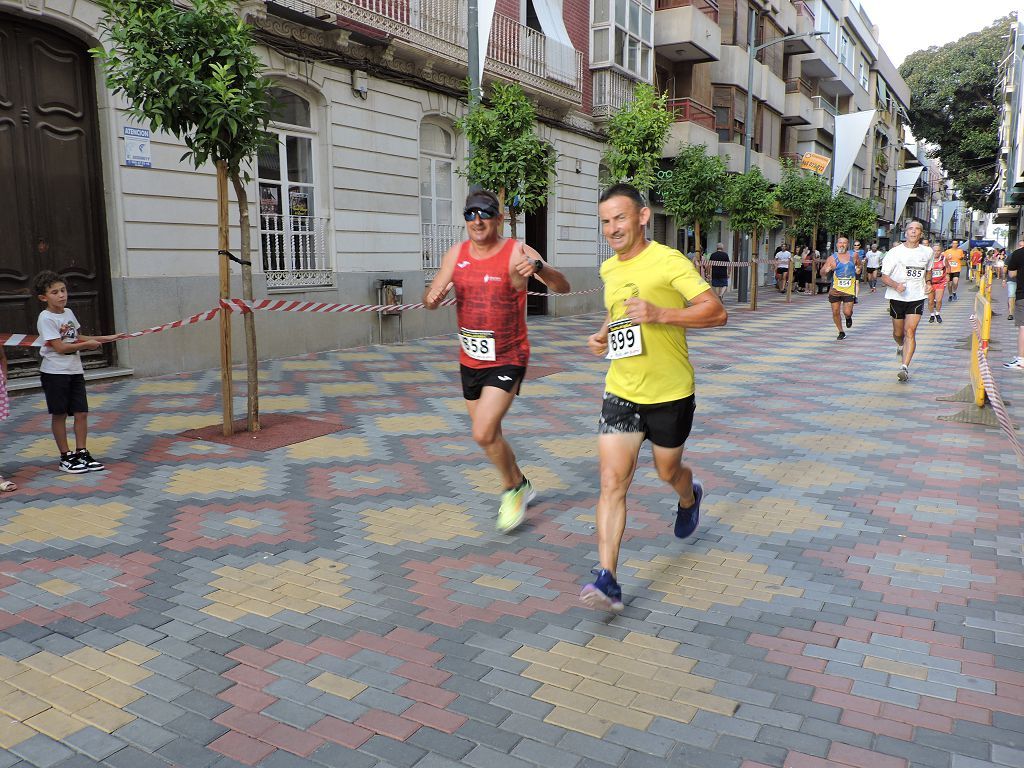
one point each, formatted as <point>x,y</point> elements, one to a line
<point>915,273</point>
<point>624,339</point>
<point>937,273</point>
<point>479,345</point>
<point>845,285</point>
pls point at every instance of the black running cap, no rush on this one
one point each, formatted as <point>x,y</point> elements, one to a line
<point>484,200</point>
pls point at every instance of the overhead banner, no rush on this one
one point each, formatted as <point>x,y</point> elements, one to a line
<point>906,178</point>
<point>814,162</point>
<point>485,17</point>
<point>850,132</point>
<point>948,209</point>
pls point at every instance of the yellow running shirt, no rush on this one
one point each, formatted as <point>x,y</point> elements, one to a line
<point>664,277</point>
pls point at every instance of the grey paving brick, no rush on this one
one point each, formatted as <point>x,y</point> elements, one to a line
<point>1006,756</point>
<point>198,728</point>
<point>794,741</point>
<point>883,693</point>
<point>542,754</point>
<point>684,733</point>
<point>94,743</point>
<point>649,743</point>
<point>202,704</point>
<point>154,710</point>
<point>485,757</point>
<point>716,723</point>
<point>833,731</point>
<point>478,710</point>
<point>490,736</point>
<point>962,761</point>
<point>294,714</point>
<point>397,753</point>
<point>130,757</point>
<point>588,746</point>
<point>524,705</point>
<point>913,753</point>
<point>41,751</point>
<point>389,702</point>
<point>448,745</point>
<point>335,755</point>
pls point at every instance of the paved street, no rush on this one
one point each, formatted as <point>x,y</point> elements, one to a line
<point>853,596</point>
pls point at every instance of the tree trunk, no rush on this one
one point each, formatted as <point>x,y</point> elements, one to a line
<point>789,281</point>
<point>698,251</point>
<point>252,416</point>
<point>753,271</point>
<point>814,262</point>
<point>226,390</point>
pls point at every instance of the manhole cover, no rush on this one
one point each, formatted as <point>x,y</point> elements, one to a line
<point>716,367</point>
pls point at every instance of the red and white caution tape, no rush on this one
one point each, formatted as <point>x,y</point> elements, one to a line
<point>23,340</point>
<point>1002,416</point>
<point>273,305</point>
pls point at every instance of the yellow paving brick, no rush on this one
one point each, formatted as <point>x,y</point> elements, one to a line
<point>71,699</point>
<point>597,690</point>
<point>576,721</point>
<point>133,652</point>
<point>58,587</point>
<point>104,716</point>
<point>674,710</point>
<point>606,644</point>
<point>652,687</point>
<point>12,733</point>
<point>532,655</point>
<point>55,724</point>
<point>116,693</point>
<point>46,662</point>
<point>493,582</point>
<point>580,652</point>
<point>226,612</point>
<point>592,671</point>
<point>896,668</point>
<point>259,608</point>
<point>631,666</point>
<point>666,660</point>
<point>21,705</point>
<point>79,677</point>
<point>299,606</point>
<point>707,701</point>
<point>654,643</point>
<point>9,668</point>
<point>337,685</point>
<point>552,676</point>
<point>290,589</point>
<point>89,657</point>
<point>563,698</point>
<point>630,718</point>
<point>330,601</point>
<point>126,672</point>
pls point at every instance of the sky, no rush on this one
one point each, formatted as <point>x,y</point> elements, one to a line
<point>905,26</point>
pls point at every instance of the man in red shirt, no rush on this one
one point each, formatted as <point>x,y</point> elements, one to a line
<point>490,273</point>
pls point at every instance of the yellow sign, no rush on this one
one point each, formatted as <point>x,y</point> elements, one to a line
<point>814,162</point>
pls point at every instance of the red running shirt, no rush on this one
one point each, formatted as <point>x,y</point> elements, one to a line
<point>486,301</point>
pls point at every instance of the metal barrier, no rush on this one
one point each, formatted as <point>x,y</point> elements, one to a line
<point>979,344</point>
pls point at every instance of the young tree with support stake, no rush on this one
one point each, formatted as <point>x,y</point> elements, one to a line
<point>695,189</point>
<point>750,200</point>
<point>508,156</point>
<point>636,136</point>
<point>807,196</point>
<point>192,72</point>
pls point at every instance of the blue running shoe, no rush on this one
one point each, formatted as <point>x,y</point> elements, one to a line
<point>604,593</point>
<point>687,519</point>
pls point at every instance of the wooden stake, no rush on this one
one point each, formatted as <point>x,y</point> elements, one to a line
<point>226,390</point>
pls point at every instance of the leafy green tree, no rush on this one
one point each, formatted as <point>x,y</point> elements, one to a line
<point>191,71</point>
<point>750,201</point>
<point>508,156</point>
<point>806,195</point>
<point>636,136</point>
<point>694,189</point>
<point>955,106</point>
<point>851,217</point>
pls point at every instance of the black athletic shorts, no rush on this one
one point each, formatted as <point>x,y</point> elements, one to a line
<point>898,310</point>
<point>836,298</point>
<point>953,274</point>
<point>65,393</point>
<point>506,377</point>
<point>666,425</point>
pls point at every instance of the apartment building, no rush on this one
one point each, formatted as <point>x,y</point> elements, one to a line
<point>1009,185</point>
<point>360,183</point>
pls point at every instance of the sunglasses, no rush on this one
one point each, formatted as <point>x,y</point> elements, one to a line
<point>484,213</point>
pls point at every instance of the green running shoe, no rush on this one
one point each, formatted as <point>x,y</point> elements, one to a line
<point>512,511</point>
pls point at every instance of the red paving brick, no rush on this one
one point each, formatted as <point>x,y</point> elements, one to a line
<point>292,739</point>
<point>341,732</point>
<point>862,758</point>
<point>242,748</point>
<point>387,724</point>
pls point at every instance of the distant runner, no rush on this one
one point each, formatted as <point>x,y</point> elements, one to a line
<point>845,267</point>
<point>939,275</point>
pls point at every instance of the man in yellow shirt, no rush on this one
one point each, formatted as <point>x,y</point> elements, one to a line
<point>652,294</point>
<point>955,258</point>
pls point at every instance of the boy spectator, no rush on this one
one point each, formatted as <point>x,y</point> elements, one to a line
<point>61,372</point>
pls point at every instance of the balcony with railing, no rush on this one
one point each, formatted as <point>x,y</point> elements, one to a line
<point>799,108</point>
<point>804,17</point>
<point>611,90</point>
<point>435,31</point>
<point>693,123</point>
<point>296,251</point>
<point>687,30</point>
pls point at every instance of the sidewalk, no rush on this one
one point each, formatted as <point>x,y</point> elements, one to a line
<point>853,596</point>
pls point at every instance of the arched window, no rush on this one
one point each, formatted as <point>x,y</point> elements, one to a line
<point>437,182</point>
<point>293,238</point>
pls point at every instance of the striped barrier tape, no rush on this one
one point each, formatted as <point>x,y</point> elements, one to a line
<point>23,340</point>
<point>1002,416</point>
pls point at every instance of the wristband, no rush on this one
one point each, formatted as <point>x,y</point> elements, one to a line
<point>538,266</point>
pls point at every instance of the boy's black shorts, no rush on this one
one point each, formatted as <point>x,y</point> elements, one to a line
<point>65,393</point>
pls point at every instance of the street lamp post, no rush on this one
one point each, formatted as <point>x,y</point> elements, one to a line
<point>748,132</point>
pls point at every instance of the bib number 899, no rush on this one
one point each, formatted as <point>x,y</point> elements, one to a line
<point>625,341</point>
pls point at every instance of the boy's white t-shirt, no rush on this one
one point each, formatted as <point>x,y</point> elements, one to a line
<point>911,266</point>
<point>65,327</point>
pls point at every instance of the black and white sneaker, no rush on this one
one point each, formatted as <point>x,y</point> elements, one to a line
<point>938,319</point>
<point>849,322</point>
<point>91,465</point>
<point>841,336</point>
<point>903,374</point>
<point>72,464</point>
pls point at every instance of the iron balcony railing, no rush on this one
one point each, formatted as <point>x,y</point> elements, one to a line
<point>296,252</point>
<point>795,84</point>
<point>708,7</point>
<point>439,27</point>
<point>611,91</point>
<point>687,110</point>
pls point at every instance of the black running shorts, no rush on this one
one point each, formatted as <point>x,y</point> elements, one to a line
<point>666,425</point>
<point>898,310</point>
<point>65,393</point>
<point>506,377</point>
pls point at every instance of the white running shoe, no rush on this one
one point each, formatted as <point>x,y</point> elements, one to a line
<point>1016,364</point>
<point>899,351</point>
<point>903,374</point>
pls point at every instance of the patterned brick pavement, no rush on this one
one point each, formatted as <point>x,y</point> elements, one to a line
<point>853,596</point>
